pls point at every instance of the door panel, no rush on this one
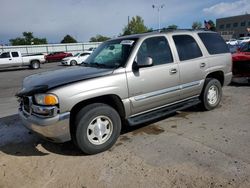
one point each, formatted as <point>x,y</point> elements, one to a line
<point>157,85</point>
<point>153,87</point>
<point>192,65</point>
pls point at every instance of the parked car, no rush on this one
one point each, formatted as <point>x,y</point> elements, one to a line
<point>126,81</point>
<point>241,61</point>
<point>233,48</point>
<point>57,56</point>
<point>232,42</point>
<point>243,39</point>
<point>76,59</point>
<point>16,59</point>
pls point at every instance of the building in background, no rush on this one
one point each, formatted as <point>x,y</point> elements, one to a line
<point>234,27</point>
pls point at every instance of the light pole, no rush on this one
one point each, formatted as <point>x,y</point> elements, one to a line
<point>158,7</point>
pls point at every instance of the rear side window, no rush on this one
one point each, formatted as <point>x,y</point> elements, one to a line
<point>187,47</point>
<point>214,43</point>
<point>14,54</point>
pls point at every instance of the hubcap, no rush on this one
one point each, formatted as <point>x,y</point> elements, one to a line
<point>212,95</point>
<point>99,130</point>
<point>35,65</point>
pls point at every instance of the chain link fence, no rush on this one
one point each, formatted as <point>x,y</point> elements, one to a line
<point>48,48</point>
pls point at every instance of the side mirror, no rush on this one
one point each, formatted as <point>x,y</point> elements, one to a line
<point>143,62</point>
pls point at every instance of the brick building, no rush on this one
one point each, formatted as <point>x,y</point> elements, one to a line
<point>234,27</point>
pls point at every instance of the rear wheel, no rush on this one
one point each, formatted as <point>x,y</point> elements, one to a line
<point>97,128</point>
<point>211,94</point>
<point>35,65</point>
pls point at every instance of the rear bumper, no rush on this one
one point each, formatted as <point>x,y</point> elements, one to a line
<point>55,129</point>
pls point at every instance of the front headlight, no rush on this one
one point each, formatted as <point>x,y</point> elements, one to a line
<point>46,99</point>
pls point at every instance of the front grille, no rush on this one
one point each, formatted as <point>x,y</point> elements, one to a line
<point>26,102</point>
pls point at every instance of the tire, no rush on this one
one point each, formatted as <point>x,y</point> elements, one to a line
<point>97,128</point>
<point>35,64</point>
<point>211,94</point>
<point>73,63</point>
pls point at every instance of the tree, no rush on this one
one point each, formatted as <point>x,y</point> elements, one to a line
<point>210,25</point>
<point>98,38</point>
<point>68,39</point>
<point>27,39</point>
<point>196,25</point>
<point>173,26</point>
<point>136,25</point>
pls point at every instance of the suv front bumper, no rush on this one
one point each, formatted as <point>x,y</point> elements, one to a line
<point>55,129</point>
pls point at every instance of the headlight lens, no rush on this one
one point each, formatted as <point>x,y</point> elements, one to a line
<point>46,99</point>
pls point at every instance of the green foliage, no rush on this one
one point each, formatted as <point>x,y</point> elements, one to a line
<point>212,25</point>
<point>135,26</point>
<point>98,38</point>
<point>27,39</point>
<point>68,39</point>
<point>173,26</point>
<point>196,25</point>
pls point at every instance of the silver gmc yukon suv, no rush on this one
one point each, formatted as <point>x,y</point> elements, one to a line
<point>126,81</point>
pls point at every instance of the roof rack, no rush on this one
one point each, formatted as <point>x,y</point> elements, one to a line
<point>162,30</point>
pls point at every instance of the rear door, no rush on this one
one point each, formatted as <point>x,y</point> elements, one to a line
<point>192,65</point>
<point>157,85</point>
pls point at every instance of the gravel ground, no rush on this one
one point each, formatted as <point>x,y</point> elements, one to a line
<point>188,149</point>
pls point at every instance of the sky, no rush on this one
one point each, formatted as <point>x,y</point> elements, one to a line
<point>83,19</point>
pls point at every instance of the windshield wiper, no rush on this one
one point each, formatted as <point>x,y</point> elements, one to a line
<point>95,64</point>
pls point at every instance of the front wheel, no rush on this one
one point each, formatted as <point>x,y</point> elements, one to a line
<point>73,63</point>
<point>211,94</point>
<point>97,128</point>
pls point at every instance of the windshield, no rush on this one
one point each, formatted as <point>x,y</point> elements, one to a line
<point>77,54</point>
<point>111,54</point>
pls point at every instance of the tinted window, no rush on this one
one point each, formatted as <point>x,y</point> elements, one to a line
<point>243,24</point>
<point>187,47</point>
<point>5,55</point>
<point>221,26</point>
<point>235,24</point>
<point>228,25</point>
<point>14,54</point>
<point>214,43</point>
<point>246,47</point>
<point>158,49</point>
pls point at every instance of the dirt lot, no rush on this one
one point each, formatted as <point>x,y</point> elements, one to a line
<point>189,149</point>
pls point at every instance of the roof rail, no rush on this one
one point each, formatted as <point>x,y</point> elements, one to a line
<point>162,30</point>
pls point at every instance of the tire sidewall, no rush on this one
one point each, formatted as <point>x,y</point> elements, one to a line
<point>209,83</point>
<point>73,62</point>
<point>84,118</point>
<point>34,63</point>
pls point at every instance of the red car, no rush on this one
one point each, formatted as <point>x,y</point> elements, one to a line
<point>57,56</point>
<point>241,61</point>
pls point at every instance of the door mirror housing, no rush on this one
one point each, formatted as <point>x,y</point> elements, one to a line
<point>143,62</point>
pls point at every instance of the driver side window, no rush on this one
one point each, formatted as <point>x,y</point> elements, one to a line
<point>5,55</point>
<point>157,48</point>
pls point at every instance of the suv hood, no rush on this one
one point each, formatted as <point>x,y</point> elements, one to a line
<point>42,82</point>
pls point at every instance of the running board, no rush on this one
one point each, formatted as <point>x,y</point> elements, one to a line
<point>149,116</point>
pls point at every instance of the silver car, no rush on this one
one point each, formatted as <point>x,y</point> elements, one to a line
<point>127,80</point>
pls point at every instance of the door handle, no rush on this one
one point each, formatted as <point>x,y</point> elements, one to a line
<point>173,71</point>
<point>202,65</point>
<point>10,59</point>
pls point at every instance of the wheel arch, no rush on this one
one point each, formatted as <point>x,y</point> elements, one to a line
<point>219,75</point>
<point>111,100</point>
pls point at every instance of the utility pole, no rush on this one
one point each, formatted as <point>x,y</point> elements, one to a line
<point>158,7</point>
